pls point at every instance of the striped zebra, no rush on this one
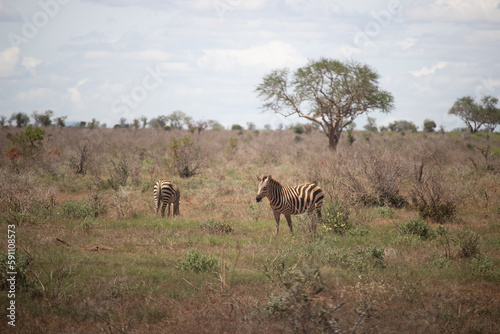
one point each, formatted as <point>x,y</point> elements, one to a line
<point>290,200</point>
<point>166,193</point>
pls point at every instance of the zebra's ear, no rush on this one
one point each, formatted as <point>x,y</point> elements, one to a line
<point>269,177</point>
<point>259,178</point>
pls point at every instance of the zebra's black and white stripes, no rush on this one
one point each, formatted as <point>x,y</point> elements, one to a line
<point>290,200</point>
<point>166,193</point>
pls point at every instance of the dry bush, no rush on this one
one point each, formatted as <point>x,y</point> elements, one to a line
<point>127,203</point>
<point>84,150</point>
<point>308,304</point>
<point>80,158</point>
<point>365,175</point>
<point>185,157</point>
<point>433,194</point>
<point>23,200</point>
<point>468,242</point>
<point>123,170</point>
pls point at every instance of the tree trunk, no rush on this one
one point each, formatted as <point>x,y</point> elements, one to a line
<point>333,138</point>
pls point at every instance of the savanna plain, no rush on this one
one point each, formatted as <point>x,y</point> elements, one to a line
<point>408,242</point>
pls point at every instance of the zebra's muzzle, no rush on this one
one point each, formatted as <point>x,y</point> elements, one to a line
<point>258,199</point>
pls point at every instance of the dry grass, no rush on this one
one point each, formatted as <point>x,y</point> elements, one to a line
<point>101,262</point>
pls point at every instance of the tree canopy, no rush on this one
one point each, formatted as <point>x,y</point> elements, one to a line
<point>328,92</point>
<point>429,125</point>
<point>403,126</point>
<point>476,113</point>
<point>20,118</point>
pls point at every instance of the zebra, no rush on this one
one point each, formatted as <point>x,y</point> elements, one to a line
<point>290,200</point>
<point>165,193</point>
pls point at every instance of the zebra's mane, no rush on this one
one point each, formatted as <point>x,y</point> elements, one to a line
<point>273,181</point>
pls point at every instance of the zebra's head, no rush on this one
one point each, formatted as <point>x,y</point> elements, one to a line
<point>262,189</point>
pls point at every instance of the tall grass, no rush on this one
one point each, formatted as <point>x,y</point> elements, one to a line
<point>97,259</point>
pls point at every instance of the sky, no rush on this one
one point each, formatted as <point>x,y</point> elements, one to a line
<point>110,59</point>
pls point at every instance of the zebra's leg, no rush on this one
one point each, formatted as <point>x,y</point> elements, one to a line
<point>168,210</point>
<point>163,205</point>
<point>176,208</point>
<point>317,217</point>
<point>289,221</point>
<point>277,218</point>
<point>318,212</point>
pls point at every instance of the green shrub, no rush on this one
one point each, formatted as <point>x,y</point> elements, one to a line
<point>350,137</point>
<point>359,259</point>
<point>482,266</point>
<point>439,261</point>
<point>335,219</point>
<point>439,212</point>
<point>275,268</point>
<point>21,218</point>
<point>276,305</point>
<point>216,227</point>
<point>233,145</point>
<point>21,267</point>
<point>376,253</point>
<point>78,210</point>
<point>444,238</point>
<point>468,243</point>
<point>197,262</point>
<point>298,129</point>
<point>385,212</point>
<point>417,228</point>
<point>30,140</point>
<point>308,304</point>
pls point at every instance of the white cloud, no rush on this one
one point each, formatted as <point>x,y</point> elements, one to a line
<point>36,94</point>
<point>74,94</point>
<point>220,61</point>
<point>107,92</point>
<point>487,86</point>
<point>483,36</point>
<point>322,6</point>
<point>174,67</point>
<point>427,71</point>
<point>8,61</point>
<point>407,43</point>
<point>96,55</point>
<point>275,54</point>
<point>6,13</point>
<point>30,63</point>
<point>225,5</point>
<point>148,55</point>
<point>457,10</point>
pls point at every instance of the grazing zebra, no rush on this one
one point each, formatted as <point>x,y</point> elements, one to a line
<point>166,193</point>
<point>290,200</point>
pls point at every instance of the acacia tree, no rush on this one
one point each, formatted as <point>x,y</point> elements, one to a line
<point>491,112</point>
<point>402,126</point>
<point>476,113</point>
<point>429,125</point>
<point>44,119</point>
<point>20,118</point>
<point>61,121</point>
<point>328,92</point>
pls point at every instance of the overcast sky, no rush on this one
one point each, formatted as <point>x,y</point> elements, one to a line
<point>109,59</point>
